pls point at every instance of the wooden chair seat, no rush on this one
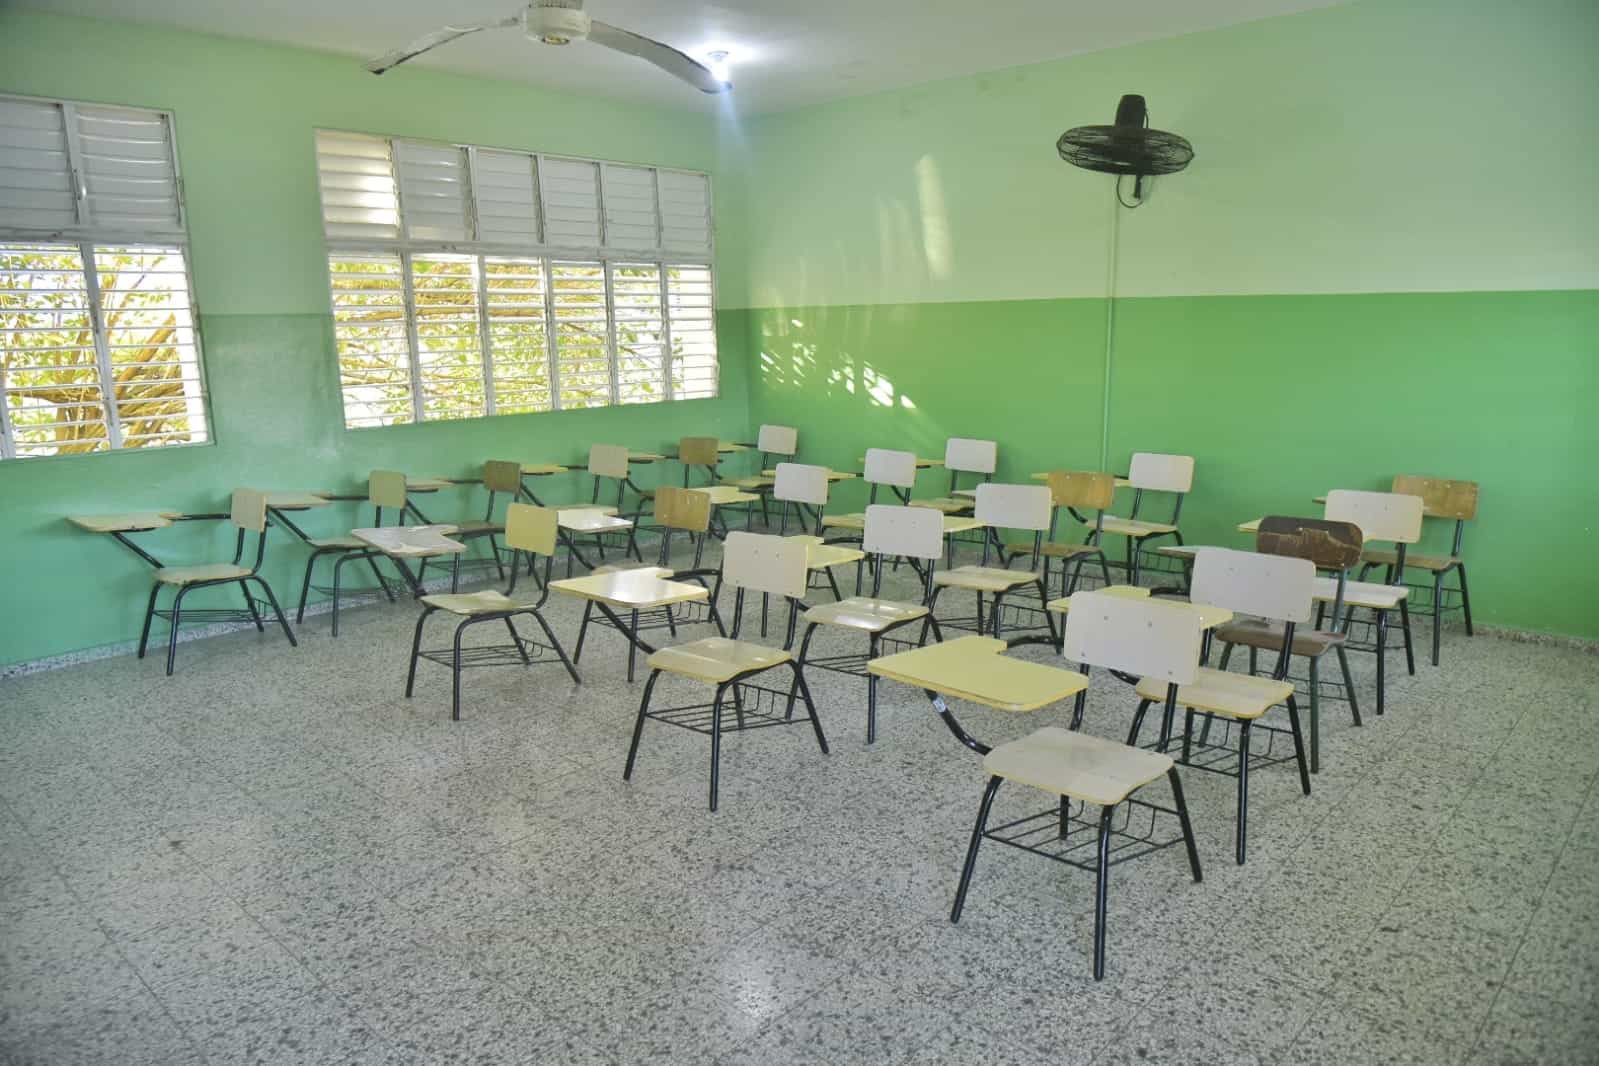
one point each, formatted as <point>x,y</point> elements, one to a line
<point>716,659</point>
<point>1136,528</point>
<point>946,504</point>
<point>1223,692</point>
<point>1268,636</point>
<point>466,604</point>
<point>863,614</point>
<point>1091,769</point>
<point>190,575</point>
<point>984,578</point>
<point>1433,563</point>
<point>1053,549</point>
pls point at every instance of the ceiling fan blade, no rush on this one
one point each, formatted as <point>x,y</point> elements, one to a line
<point>664,56</point>
<point>433,40</point>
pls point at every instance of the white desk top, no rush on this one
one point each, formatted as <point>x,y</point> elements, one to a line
<point>410,541</point>
<point>630,590</point>
<point>975,669</point>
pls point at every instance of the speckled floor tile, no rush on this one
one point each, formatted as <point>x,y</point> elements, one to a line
<point>319,870</point>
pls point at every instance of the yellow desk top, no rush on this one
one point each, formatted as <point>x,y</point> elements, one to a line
<point>820,556</point>
<point>729,446</point>
<point>410,541</point>
<point>543,469</point>
<point>832,475</point>
<point>953,523</point>
<point>921,464</point>
<point>644,457</point>
<point>296,501</point>
<point>1209,617</point>
<point>630,590</point>
<point>725,494</point>
<point>590,520</point>
<point>974,669</point>
<point>129,522</point>
<point>1126,592</point>
<point>427,484</point>
<point>1251,526</point>
<point>1121,483</point>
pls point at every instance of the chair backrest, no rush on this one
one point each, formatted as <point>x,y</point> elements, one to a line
<point>764,563</point>
<point>971,456</point>
<point>1082,489</point>
<point>1013,506</point>
<point>502,476</point>
<point>1161,473</point>
<point>685,509</point>
<point>531,529</point>
<point>884,467</point>
<point>1267,586</point>
<point>699,451</point>
<point>1440,497</point>
<point>800,483</point>
<point>249,510</point>
<point>386,488</point>
<point>1145,637</point>
<point>1328,545</point>
<point>778,440</point>
<point>917,532</point>
<point>1380,515</point>
<point>608,460</point>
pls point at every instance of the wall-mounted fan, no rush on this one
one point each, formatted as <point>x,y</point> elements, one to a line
<point>1129,147</point>
<point>562,22</point>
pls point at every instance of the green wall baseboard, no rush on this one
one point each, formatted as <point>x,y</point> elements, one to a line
<point>1279,398</point>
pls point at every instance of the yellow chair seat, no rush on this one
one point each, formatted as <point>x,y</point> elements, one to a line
<point>750,484</point>
<point>867,615</point>
<point>1052,549</point>
<point>489,601</point>
<point>1223,692</point>
<point>337,542</point>
<point>1312,643</point>
<point>477,527</point>
<point>190,575</point>
<point>1370,594</point>
<point>631,564</point>
<point>716,659</point>
<point>1096,771</point>
<point>1412,561</point>
<point>1136,528</point>
<point>946,504</point>
<point>984,578</point>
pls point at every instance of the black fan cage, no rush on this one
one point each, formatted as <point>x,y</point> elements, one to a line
<point>1125,150</point>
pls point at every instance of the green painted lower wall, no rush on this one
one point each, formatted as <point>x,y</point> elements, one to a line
<point>279,425</point>
<point>1277,397</point>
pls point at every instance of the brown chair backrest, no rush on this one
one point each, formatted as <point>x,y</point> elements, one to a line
<point>686,509</point>
<point>1082,489</point>
<point>1440,497</point>
<point>500,475</point>
<point>698,451</point>
<point>1330,545</point>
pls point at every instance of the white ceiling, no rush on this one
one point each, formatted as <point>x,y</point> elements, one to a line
<point>785,53</point>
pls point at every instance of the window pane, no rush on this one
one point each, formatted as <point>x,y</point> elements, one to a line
<point>155,363</point>
<point>370,333</point>
<point>449,347</point>
<point>689,305</point>
<point>518,338</point>
<point>50,378</point>
<point>636,293</point>
<point>581,344</point>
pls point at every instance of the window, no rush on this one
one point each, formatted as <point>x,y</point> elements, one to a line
<point>471,281</point>
<point>98,348</point>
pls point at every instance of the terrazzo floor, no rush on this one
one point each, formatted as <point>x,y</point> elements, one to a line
<point>274,858</point>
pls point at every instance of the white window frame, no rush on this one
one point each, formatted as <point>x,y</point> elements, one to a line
<point>601,255</point>
<point>87,236</point>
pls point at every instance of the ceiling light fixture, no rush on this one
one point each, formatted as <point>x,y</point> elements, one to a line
<point>718,62</point>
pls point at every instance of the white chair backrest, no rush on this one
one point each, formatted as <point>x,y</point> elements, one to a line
<point>1268,586</point>
<point>799,483</point>
<point>1148,637</point>
<point>1380,515</point>
<point>971,456</point>
<point>1161,473</point>
<point>778,440</point>
<point>1013,506</point>
<point>917,532</point>
<point>884,467</point>
<point>764,563</point>
<point>608,460</point>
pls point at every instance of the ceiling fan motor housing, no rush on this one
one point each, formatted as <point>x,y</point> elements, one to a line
<point>556,25</point>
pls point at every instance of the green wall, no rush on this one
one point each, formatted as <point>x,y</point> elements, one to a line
<point>245,115</point>
<point>1366,271</point>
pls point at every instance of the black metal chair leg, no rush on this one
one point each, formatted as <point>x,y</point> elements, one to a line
<point>305,586</point>
<point>632,644</point>
<point>249,602</point>
<point>1437,613</point>
<point>172,631</point>
<point>1382,661</point>
<point>1138,723</point>
<point>1315,714</point>
<point>582,630</point>
<point>416,650</point>
<point>1349,684</point>
<point>549,634</point>
<point>516,639</point>
<point>1465,600</point>
<point>1102,891</point>
<point>1243,788</point>
<point>871,692</point>
<point>1404,627</point>
<point>1299,746</point>
<point>810,707</point>
<point>149,616</point>
<point>983,808</point>
<point>1188,828</point>
<point>377,575</point>
<point>638,726</point>
<point>455,671</point>
<point>273,600</point>
<point>716,743</point>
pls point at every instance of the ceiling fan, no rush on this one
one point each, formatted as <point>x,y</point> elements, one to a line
<point>562,22</point>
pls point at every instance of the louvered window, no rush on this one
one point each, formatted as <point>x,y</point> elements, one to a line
<point>473,281</point>
<point>98,347</point>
